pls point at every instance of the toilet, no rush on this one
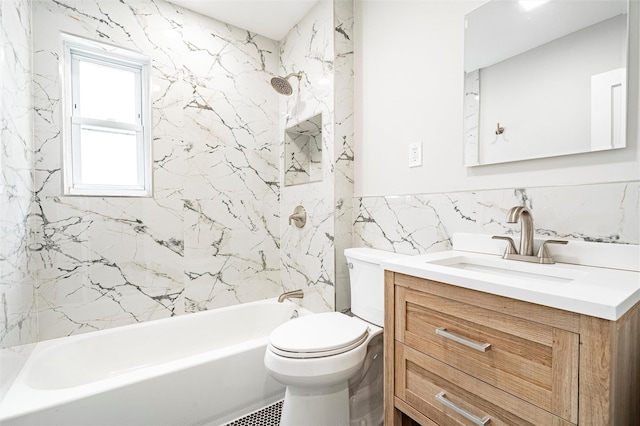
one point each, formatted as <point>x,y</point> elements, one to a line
<point>316,355</point>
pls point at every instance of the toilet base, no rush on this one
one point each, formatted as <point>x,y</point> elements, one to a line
<point>311,407</point>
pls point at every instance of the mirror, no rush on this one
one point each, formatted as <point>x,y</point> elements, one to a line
<point>544,78</point>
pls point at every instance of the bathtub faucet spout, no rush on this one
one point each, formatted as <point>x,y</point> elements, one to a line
<point>295,294</point>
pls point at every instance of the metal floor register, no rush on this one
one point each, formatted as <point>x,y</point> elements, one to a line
<point>268,416</point>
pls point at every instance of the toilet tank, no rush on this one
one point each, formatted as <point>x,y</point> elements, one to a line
<point>367,282</point>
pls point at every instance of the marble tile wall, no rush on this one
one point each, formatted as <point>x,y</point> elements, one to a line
<point>307,254</point>
<point>17,299</point>
<point>210,234</point>
<point>303,152</point>
<point>425,223</point>
<point>343,146</point>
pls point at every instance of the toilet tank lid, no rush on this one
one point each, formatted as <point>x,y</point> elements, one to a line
<point>370,255</point>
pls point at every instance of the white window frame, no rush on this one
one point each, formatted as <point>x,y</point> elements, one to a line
<point>77,49</point>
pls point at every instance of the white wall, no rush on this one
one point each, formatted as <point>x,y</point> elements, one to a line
<point>409,87</point>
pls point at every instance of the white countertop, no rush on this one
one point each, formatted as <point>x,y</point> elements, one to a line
<point>602,292</point>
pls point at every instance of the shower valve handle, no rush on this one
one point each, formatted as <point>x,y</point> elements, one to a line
<point>299,217</point>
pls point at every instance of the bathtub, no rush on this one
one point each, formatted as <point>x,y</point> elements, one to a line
<point>204,368</point>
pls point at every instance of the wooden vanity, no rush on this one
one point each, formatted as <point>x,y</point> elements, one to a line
<point>543,366</point>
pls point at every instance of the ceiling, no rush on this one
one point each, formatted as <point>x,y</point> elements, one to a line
<point>269,18</point>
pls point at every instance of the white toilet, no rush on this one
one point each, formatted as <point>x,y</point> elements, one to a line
<point>316,355</point>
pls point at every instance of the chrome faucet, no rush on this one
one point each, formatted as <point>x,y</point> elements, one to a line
<point>523,215</point>
<point>295,294</point>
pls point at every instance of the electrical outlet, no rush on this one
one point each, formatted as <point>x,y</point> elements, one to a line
<point>415,154</point>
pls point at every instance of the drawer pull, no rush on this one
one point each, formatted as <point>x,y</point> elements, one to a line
<point>482,347</point>
<point>441,398</point>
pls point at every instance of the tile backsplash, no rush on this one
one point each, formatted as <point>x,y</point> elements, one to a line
<point>425,223</point>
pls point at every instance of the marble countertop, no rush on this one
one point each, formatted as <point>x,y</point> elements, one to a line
<point>606,290</point>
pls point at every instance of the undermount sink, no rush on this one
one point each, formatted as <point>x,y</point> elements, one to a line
<point>596,279</point>
<point>510,268</point>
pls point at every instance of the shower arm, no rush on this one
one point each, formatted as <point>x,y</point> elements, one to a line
<point>294,74</point>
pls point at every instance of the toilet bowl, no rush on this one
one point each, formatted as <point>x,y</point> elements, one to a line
<point>316,355</point>
<point>332,348</point>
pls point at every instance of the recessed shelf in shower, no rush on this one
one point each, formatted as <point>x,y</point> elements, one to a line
<point>303,152</point>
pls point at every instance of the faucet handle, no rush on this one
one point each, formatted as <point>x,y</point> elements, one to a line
<point>543,254</point>
<point>511,247</point>
<point>299,217</point>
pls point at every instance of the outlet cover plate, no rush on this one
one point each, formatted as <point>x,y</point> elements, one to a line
<point>415,154</point>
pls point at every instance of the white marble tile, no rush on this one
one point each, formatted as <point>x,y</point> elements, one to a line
<point>600,213</point>
<point>18,317</point>
<point>425,223</point>
<point>115,250</point>
<point>343,145</point>
<point>16,184</point>
<point>417,225</point>
<point>231,147</point>
<point>111,261</point>
<point>308,254</point>
<point>231,251</point>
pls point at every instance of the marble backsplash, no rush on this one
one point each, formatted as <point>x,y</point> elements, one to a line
<point>415,224</point>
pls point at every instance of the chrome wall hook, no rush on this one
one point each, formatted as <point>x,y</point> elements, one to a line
<point>499,130</point>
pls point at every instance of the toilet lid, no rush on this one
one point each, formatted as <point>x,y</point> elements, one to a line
<point>317,335</point>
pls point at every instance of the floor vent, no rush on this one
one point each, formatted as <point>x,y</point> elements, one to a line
<point>267,416</point>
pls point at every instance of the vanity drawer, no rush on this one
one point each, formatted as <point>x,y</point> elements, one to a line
<point>532,361</point>
<point>442,392</point>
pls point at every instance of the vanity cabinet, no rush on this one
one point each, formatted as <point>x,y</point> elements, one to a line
<point>455,356</point>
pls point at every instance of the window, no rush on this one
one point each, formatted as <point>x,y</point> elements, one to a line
<point>107,120</point>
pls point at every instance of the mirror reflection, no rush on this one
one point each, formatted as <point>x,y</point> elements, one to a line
<point>544,78</point>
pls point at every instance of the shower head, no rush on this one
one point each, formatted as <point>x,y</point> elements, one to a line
<point>281,84</point>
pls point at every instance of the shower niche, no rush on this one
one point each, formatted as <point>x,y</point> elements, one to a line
<point>303,152</point>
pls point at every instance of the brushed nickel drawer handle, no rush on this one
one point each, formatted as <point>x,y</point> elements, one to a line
<point>441,398</point>
<point>482,347</point>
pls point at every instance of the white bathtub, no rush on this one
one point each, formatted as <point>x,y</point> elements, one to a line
<point>202,368</point>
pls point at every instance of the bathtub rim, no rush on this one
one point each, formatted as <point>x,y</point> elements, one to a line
<point>16,404</point>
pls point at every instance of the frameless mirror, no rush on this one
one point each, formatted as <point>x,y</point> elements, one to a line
<point>544,78</point>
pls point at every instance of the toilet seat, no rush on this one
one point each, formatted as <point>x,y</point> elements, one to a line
<point>318,335</point>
